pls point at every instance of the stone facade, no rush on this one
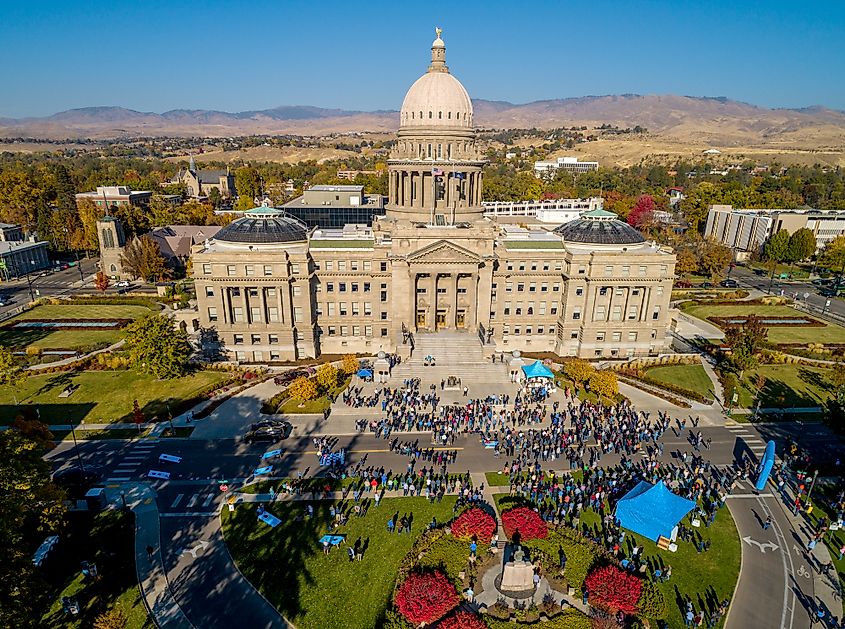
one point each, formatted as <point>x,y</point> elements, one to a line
<point>275,291</point>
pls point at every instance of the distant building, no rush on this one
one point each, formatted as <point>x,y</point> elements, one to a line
<point>112,241</point>
<point>200,183</point>
<point>555,211</point>
<point>350,175</point>
<point>335,206</point>
<point>115,196</point>
<point>570,164</point>
<point>19,257</point>
<point>746,230</point>
<point>10,233</point>
<point>676,195</point>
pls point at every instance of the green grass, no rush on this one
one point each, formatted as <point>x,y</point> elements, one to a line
<point>692,377</point>
<point>80,340</point>
<point>777,334</point>
<point>786,386</point>
<point>341,244</point>
<point>292,407</point>
<point>107,539</point>
<point>312,590</point>
<point>102,397</point>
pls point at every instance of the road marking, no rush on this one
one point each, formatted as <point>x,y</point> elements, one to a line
<point>753,542</point>
<point>177,501</point>
<point>208,500</point>
<point>750,496</point>
<point>193,500</point>
<point>117,479</point>
<point>802,572</point>
<point>201,545</point>
<point>135,457</point>
<point>188,514</point>
<point>133,464</point>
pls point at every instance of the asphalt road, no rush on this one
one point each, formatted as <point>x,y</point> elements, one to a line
<point>794,289</point>
<point>16,292</point>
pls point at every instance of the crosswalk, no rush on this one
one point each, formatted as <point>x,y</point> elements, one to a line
<point>752,440</point>
<point>196,503</point>
<point>127,469</point>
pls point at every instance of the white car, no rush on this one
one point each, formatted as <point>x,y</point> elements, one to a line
<point>122,284</point>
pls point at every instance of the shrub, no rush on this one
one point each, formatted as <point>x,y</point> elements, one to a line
<point>426,597</point>
<point>395,620</point>
<point>526,521</point>
<point>581,554</point>
<point>447,554</point>
<point>463,620</point>
<point>652,604</point>
<point>615,588</point>
<point>475,522</point>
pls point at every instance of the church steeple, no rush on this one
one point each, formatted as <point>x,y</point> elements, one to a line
<point>192,165</point>
<point>438,54</point>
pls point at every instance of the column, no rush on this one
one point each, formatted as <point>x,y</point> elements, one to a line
<point>247,317</point>
<point>262,295</point>
<point>484,289</point>
<point>472,309</point>
<point>454,314</point>
<point>227,304</point>
<point>431,320</point>
<point>646,298</point>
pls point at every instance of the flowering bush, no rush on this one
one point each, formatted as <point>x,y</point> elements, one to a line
<point>476,522</point>
<point>426,597</point>
<point>463,620</point>
<point>614,588</point>
<point>526,521</point>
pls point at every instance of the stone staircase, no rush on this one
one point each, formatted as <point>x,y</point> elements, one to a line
<point>457,354</point>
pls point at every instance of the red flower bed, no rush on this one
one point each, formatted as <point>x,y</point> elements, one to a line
<point>476,522</point>
<point>426,597</point>
<point>615,588</point>
<point>463,620</point>
<point>526,521</point>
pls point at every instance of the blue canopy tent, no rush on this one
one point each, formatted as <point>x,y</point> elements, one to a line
<point>652,511</point>
<point>365,373</point>
<point>537,370</point>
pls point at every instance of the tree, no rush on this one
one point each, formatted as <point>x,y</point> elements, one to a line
<point>349,364</point>
<point>714,259</point>
<point>832,256</point>
<point>802,244</point>
<point>248,185</point>
<point>745,341</point>
<point>642,214</point>
<point>114,618</point>
<point>157,347</point>
<point>101,281</point>
<point>578,370</point>
<point>11,373</point>
<point>303,389</point>
<point>837,377</point>
<point>142,258</point>
<point>603,383</point>
<point>776,248</point>
<point>86,237</point>
<point>686,262</point>
<point>32,508</point>
<point>327,376</point>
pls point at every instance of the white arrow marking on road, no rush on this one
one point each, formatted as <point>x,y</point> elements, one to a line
<point>762,547</point>
<point>798,551</point>
<point>201,545</point>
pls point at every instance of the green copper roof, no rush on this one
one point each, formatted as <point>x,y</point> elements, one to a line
<point>341,244</point>
<point>598,213</point>
<point>532,244</point>
<point>263,211</point>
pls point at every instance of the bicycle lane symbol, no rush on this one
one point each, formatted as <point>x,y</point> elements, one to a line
<point>802,572</point>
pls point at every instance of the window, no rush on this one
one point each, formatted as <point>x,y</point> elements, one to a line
<point>240,356</point>
<point>235,292</point>
<point>206,269</point>
<point>237,314</point>
<point>255,339</point>
<point>576,313</point>
<point>626,270</point>
<point>250,270</point>
<point>540,329</point>
<point>599,336</point>
<point>275,356</point>
<point>441,291</point>
<point>209,291</point>
<point>603,290</point>
<point>268,270</point>
<point>601,314</point>
<point>297,291</point>
<point>510,266</point>
<point>542,309</point>
<point>384,331</point>
<point>508,287</point>
<point>255,314</point>
<point>252,292</point>
<point>663,269</point>
<point>579,291</point>
<point>654,334</point>
<point>368,308</point>
<point>632,336</point>
<point>533,267</point>
<point>230,270</point>
<point>329,287</point>
<point>520,287</point>
<point>271,293</point>
<point>356,330</point>
<point>212,314</point>
<point>507,309</point>
<point>342,308</point>
<point>553,309</point>
<point>273,314</point>
<point>341,287</point>
<point>384,316</point>
<point>608,270</point>
<point>332,330</point>
<point>516,330</point>
<point>544,287</point>
<point>344,330</point>
<point>354,287</point>
<point>368,266</point>
<point>632,313</point>
<point>366,287</point>
<point>297,315</point>
<point>492,314</point>
<point>331,306</point>
<point>528,330</point>
<point>353,265</point>
<point>462,291</point>
<point>383,267</point>
<point>573,335</point>
<point>643,270</point>
<point>582,270</point>
<point>656,314</point>
<point>619,292</point>
<point>556,287</point>
<point>616,314</point>
<point>239,339</point>
<point>383,296</point>
<point>421,290</point>
<point>659,290</point>
<point>356,309</point>
<point>617,336</point>
<point>518,308</point>
<point>341,265</point>
<point>532,287</point>
<point>597,352</point>
<point>329,265</point>
<point>273,339</point>
<point>368,330</point>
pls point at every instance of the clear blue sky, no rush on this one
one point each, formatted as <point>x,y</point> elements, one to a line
<point>153,55</point>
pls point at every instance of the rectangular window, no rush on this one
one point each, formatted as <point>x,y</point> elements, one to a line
<point>632,313</point>
<point>573,335</point>
<point>212,314</point>
<point>616,314</point>
<point>275,356</point>
<point>626,270</point>
<point>356,309</point>
<point>544,287</point>
<point>297,291</point>
<point>273,314</point>
<point>356,330</point>
<point>608,270</point>
<point>239,339</point>
<point>599,336</point>
<point>383,296</point>
<point>617,336</point>
<point>255,314</point>
<point>516,330</point>
<point>553,309</point>
<point>518,308</point>
<point>329,265</point>
<point>507,309</point>
<point>368,331</point>
<point>331,306</point>
<point>542,309</point>
<point>579,291</point>
<point>332,330</point>
<point>601,314</point>
<point>353,266</point>
<point>341,287</point>
<point>508,287</point>
<point>540,329</point>
<point>240,356</point>
<point>384,316</point>
<point>421,290</point>
<point>556,287</point>
<point>341,265</point>
<point>366,287</point>
<point>659,290</point>
<point>368,266</point>
<point>354,287</point>
<point>528,330</point>
<point>342,308</point>
<point>532,287</point>
<point>344,330</point>
<point>643,270</point>
<point>268,270</point>
<point>329,287</point>
<point>462,291</point>
<point>663,269</point>
<point>206,269</point>
<point>238,314</point>
<point>368,308</point>
<point>576,313</point>
<point>294,268</point>
<point>250,270</point>
<point>209,291</point>
<point>632,336</point>
<point>383,267</point>
<point>520,287</point>
<point>582,270</point>
<point>252,292</point>
<point>255,339</point>
<point>230,270</point>
<point>297,315</point>
<point>384,331</point>
<point>273,339</point>
<point>656,314</point>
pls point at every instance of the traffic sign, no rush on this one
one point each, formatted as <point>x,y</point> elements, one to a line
<point>224,487</point>
<point>169,458</point>
<point>157,474</point>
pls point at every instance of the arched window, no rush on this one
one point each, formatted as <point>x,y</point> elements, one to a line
<point>429,150</point>
<point>421,116</point>
<point>439,115</point>
<point>430,115</point>
<point>113,269</point>
<point>439,151</point>
<point>449,115</point>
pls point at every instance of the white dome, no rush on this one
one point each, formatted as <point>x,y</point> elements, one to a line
<point>436,99</point>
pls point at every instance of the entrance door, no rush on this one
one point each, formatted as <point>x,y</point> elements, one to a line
<point>440,320</point>
<point>460,319</point>
<point>420,319</point>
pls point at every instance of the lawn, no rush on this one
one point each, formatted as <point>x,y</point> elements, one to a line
<point>291,406</point>
<point>786,386</point>
<point>691,377</point>
<point>103,396</point>
<point>107,539</point>
<point>81,340</point>
<point>777,334</point>
<point>323,592</point>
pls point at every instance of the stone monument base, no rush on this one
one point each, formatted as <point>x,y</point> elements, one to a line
<point>517,577</point>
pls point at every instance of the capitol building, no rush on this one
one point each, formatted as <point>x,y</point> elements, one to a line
<point>275,290</point>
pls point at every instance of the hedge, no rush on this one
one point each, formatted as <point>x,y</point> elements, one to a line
<point>665,395</point>
<point>83,300</point>
<point>639,374</point>
<point>570,619</point>
<point>448,554</point>
<point>581,554</point>
<point>652,604</point>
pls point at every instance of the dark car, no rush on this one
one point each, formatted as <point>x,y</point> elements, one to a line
<point>706,285</point>
<point>271,434</point>
<point>683,284</point>
<point>269,423</point>
<point>729,284</point>
<point>77,480</point>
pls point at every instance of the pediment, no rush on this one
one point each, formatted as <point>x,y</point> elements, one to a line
<point>444,252</point>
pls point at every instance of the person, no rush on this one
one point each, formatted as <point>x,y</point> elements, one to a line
<point>688,619</point>
<point>390,525</point>
<point>536,579</point>
<point>472,548</point>
<point>150,550</point>
<point>767,523</point>
<point>470,595</point>
<point>841,552</point>
<point>585,595</point>
<point>326,546</point>
<point>351,552</point>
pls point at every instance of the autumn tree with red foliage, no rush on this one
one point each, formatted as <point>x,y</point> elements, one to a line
<point>642,214</point>
<point>526,522</point>
<point>475,522</point>
<point>426,597</point>
<point>101,281</point>
<point>615,588</point>
<point>463,620</point>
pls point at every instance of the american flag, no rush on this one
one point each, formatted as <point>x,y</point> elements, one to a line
<point>459,175</point>
<point>437,172</point>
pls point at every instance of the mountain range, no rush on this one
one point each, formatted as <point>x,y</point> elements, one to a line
<point>720,121</point>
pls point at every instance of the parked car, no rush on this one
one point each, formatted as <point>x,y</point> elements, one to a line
<point>269,423</point>
<point>77,480</point>
<point>729,283</point>
<point>706,285</point>
<point>271,434</point>
<point>822,281</point>
<point>122,284</point>
<point>683,284</point>
<point>759,271</point>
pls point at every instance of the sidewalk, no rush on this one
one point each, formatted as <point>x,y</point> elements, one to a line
<point>73,359</point>
<point>152,577</point>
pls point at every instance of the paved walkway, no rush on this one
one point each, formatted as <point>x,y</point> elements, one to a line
<point>73,359</point>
